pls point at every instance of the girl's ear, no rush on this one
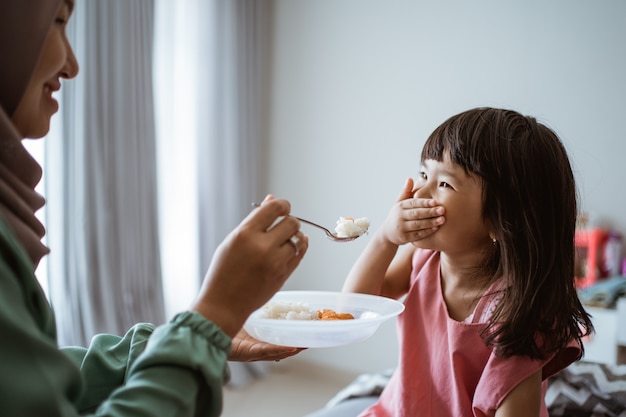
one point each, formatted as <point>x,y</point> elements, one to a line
<point>492,236</point>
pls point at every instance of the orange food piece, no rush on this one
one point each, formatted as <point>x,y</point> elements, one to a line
<point>328,314</point>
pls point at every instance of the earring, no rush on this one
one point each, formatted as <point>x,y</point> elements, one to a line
<point>493,241</point>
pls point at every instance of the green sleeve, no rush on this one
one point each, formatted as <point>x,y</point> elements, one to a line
<point>177,369</point>
<point>103,365</point>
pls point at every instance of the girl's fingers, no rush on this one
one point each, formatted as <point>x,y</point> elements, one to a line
<point>418,209</point>
<point>407,190</point>
<point>418,203</point>
<point>434,213</point>
<point>425,224</point>
<point>421,234</point>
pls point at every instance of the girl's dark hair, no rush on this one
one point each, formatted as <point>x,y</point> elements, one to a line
<point>530,203</point>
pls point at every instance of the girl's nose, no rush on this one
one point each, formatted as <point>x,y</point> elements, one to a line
<point>423,191</point>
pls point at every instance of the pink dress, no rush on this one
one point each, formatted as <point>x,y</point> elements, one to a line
<point>445,369</point>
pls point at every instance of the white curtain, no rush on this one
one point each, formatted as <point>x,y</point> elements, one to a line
<point>104,268</point>
<point>210,75</point>
<point>128,181</point>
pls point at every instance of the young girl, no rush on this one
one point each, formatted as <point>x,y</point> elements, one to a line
<point>491,307</point>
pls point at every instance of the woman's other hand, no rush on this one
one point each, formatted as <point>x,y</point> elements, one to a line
<point>411,219</point>
<point>250,265</point>
<point>246,348</point>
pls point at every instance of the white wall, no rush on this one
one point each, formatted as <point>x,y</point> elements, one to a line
<point>358,85</point>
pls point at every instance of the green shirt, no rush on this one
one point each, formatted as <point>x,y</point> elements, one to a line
<point>176,369</point>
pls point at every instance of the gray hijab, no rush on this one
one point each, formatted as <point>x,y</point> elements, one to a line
<point>24,25</point>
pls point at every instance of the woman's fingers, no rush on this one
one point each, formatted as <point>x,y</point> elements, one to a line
<point>251,264</point>
<point>271,217</point>
<point>265,215</point>
<point>245,348</point>
<point>298,243</point>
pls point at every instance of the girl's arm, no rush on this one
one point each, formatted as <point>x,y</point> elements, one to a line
<point>379,270</point>
<point>524,400</point>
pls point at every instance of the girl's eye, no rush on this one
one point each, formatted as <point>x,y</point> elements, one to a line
<point>60,20</point>
<point>444,184</point>
<point>422,175</point>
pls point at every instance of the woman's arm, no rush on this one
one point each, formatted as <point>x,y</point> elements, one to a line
<point>105,362</point>
<point>177,369</point>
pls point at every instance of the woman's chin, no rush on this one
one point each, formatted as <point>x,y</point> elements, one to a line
<point>37,132</point>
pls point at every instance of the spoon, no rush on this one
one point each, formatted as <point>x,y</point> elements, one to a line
<point>329,234</point>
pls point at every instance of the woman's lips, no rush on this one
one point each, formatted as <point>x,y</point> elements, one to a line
<point>50,88</point>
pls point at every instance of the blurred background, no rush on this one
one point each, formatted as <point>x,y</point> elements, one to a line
<point>358,85</point>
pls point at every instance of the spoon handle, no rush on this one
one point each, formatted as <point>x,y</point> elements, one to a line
<point>328,233</point>
<point>314,224</point>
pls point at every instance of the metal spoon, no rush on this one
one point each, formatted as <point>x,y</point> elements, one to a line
<point>329,234</point>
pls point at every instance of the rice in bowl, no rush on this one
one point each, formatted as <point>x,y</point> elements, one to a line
<point>287,310</point>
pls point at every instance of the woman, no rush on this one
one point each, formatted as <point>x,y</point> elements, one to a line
<point>173,370</point>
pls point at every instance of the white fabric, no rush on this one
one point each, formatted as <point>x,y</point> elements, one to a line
<point>210,73</point>
<point>104,269</point>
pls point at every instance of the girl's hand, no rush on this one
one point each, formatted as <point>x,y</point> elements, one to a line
<point>412,219</point>
<point>250,265</point>
<point>245,348</point>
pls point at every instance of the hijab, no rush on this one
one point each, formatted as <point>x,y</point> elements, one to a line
<point>24,25</point>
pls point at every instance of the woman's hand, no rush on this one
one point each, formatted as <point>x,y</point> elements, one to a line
<point>250,265</point>
<point>411,218</point>
<point>245,348</point>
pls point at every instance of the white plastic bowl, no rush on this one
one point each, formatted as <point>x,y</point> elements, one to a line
<point>369,312</point>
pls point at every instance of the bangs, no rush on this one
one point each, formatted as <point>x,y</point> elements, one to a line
<point>459,137</point>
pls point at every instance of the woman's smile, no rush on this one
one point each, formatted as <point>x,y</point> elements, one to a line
<point>48,89</point>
